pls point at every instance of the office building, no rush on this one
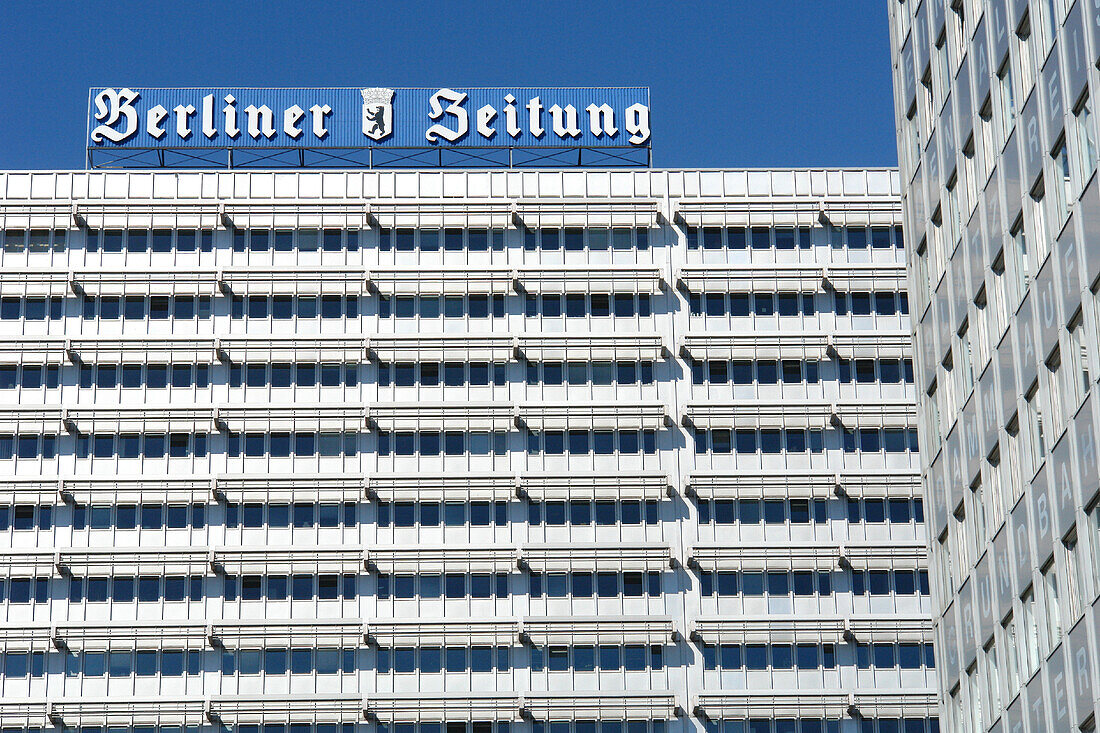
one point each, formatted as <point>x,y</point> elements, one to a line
<point>427,451</point>
<point>997,144</point>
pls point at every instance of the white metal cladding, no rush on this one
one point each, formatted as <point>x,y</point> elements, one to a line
<point>89,420</point>
<point>289,488</point>
<point>37,215</point>
<point>750,278</point>
<point>894,703</point>
<point>794,629</point>
<point>22,713</point>
<point>764,211</point>
<point>611,416</point>
<point>452,707</point>
<point>292,349</point>
<point>867,277</point>
<point>27,564</point>
<point>30,419</point>
<point>116,636</point>
<point>26,282</point>
<point>295,214</point>
<point>720,705</point>
<point>573,630</point>
<point>450,281</point>
<point>99,283</point>
<point>877,484</point>
<point>876,345</point>
<point>292,417</point>
<point>110,561</point>
<point>145,214</point>
<point>33,351</point>
<point>136,490</point>
<point>759,485</point>
<point>449,558</point>
<point>262,634</point>
<point>483,416</point>
<point>442,348</point>
<point>442,487</point>
<point>884,556</point>
<point>876,414</point>
<point>867,211</point>
<point>442,632</point>
<point>553,280</point>
<point>886,628</point>
<point>280,560</point>
<point>653,705</point>
<point>142,350</point>
<point>29,491</point>
<point>623,556</point>
<point>564,347</point>
<point>436,213</point>
<point>588,212</point>
<point>726,346</point>
<point>618,486</point>
<point>769,628</point>
<point>747,414</point>
<point>771,556</point>
<point>123,711</point>
<point>294,281</point>
<point>299,708</point>
<point>25,638</point>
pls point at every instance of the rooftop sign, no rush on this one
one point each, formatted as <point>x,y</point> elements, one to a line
<point>373,127</point>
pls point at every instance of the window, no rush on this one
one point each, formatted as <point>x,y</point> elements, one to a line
<point>35,240</point>
<point>1075,580</point>
<point>1052,609</point>
<point>941,72</point>
<point>1035,205</point>
<point>982,326</point>
<point>1032,429</point>
<point>1014,656</point>
<point>1006,95</point>
<point>977,534</point>
<point>1062,187</point>
<point>973,692</point>
<point>1094,543</point>
<point>1076,367</point>
<point>557,442</point>
<point>1022,58</point>
<point>1029,638</point>
<point>969,174</point>
<point>995,481</point>
<point>1058,402</point>
<point>992,689</point>
<point>1019,261</point>
<point>999,310</point>
<point>952,221</point>
<point>1048,20</point>
<point>1084,137</point>
<point>987,141</point>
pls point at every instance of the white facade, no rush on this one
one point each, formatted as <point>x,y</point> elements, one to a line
<point>527,449</point>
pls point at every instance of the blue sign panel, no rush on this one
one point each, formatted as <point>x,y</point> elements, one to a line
<point>357,118</point>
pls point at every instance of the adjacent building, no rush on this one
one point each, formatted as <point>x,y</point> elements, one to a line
<point>997,143</point>
<point>556,451</point>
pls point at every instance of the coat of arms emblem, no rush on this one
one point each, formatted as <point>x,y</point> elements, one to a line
<point>377,113</point>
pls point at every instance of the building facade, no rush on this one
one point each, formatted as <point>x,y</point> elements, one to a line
<point>427,451</point>
<point>997,143</point>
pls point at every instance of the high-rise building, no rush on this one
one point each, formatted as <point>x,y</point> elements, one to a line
<point>997,145</point>
<point>556,451</point>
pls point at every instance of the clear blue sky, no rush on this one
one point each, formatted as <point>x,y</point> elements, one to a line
<point>735,83</point>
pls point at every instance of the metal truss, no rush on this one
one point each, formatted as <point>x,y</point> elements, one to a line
<point>369,157</point>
